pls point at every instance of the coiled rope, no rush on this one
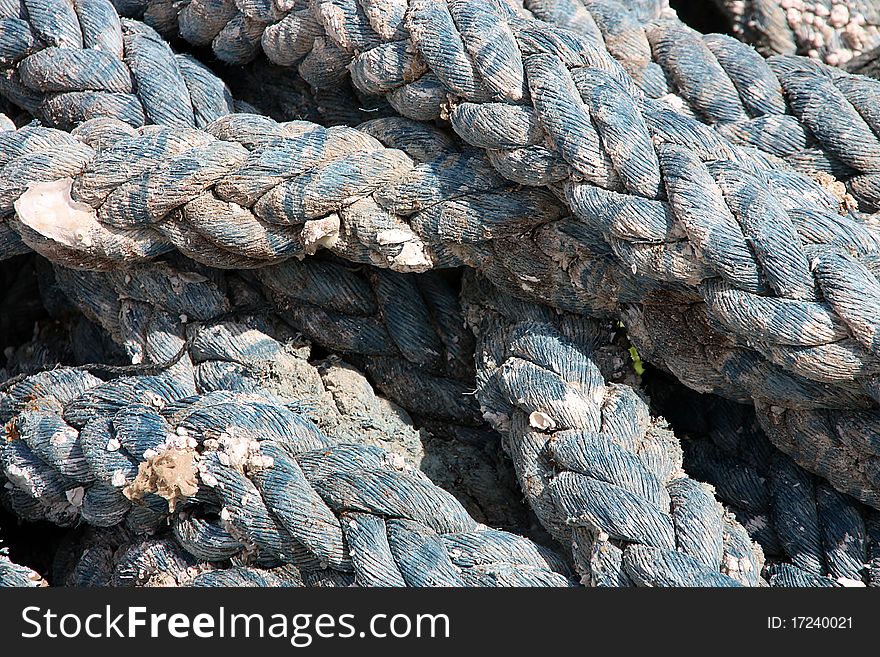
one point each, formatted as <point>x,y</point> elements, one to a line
<point>822,250</point>
<point>70,60</point>
<point>199,328</point>
<point>101,557</point>
<point>813,274</point>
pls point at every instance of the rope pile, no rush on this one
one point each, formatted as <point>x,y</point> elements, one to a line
<point>92,463</point>
<point>585,163</point>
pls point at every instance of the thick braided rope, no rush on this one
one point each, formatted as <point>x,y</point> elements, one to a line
<point>405,330</point>
<point>834,31</point>
<point>241,472</point>
<point>254,350</point>
<point>811,269</point>
<point>821,400</point>
<point>162,312</point>
<point>66,61</point>
<point>428,57</point>
<point>248,192</point>
<point>601,475</point>
<point>839,445</point>
<point>811,534</point>
<point>808,328</point>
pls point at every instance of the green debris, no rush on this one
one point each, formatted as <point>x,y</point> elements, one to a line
<point>638,366</point>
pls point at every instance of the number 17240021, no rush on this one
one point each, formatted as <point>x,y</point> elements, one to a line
<point>809,623</point>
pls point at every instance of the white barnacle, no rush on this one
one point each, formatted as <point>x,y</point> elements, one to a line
<point>393,236</point>
<point>412,258</point>
<point>541,421</point>
<point>49,209</point>
<point>396,461</point>
<point>208,479</point>
<point>75,496</point>
<point>60,437</point>
<point>320,233</point>
<point>113,445</point>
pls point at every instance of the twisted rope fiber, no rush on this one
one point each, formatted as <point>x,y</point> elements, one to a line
<point>740,252</point>
<point>835,330</point>
<point>821,402</point>
<point>833,31</point>
<point>97,300</point>
<point>811,534</point>
<point>180,316</point>
<point>241,471</point>
<point>407,334</point>
<point>282,280</point>
<point>837,444</point>
<point>841,249</point>
<point>430,57</point>
<point>600,473</point>
<point>66,61</point>
<point>396,326</point>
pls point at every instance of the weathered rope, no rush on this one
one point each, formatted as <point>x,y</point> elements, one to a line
<point>241,472</point>
<point>271,91</point>
<point>834,31</point>
<point>738,180</point>
<point>477,63</point>
<point>115,557</point>
<point>405,330</point>
<point>600,473</point>
<point>66,61</point>
<point>837,444</point>
<point>200,327</point>
<point>811,534</point>
<point>813,272</point>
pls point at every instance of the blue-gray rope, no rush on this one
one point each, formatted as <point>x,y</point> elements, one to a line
<point>151,283</point>
<point>813,272</point>
<point>210,331</point>
<point>114,557</point>
<point>778,279</point>
<point>811,534</point>
<point>434,59</point>
<point>836,444</point>
<point>242,473</point>
<point>601,474</point>
<point>71,60</point>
